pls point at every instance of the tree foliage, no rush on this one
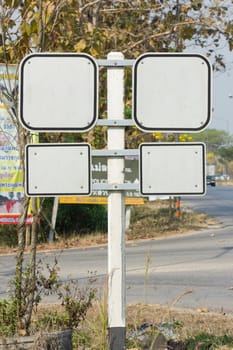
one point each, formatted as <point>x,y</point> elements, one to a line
<point>100,26</point>
<point>219,148</point>
<point>226,153</point>
<point>213,138</point>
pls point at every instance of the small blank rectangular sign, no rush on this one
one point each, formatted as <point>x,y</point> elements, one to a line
<point>172,169</point>
<point>57,169</point>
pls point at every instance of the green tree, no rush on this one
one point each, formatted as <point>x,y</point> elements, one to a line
<point>100,26</point>
<point>214,139</point>
<point>226,153</point>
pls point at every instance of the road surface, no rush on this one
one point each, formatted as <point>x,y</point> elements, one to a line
<point>190,270</point>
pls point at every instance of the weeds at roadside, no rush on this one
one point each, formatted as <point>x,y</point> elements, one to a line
<point>146,275</point>
<point>153,219</point>
<point>91,330</point>
<point>208,341</point>
<point>193,330</point>
<point>93,334</point>
<point>75,301</point>
<point>156,219</point>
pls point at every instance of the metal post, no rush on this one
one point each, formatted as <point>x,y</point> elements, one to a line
<point>54,219</point>
<point>116,210</point>
<point>177,207</point>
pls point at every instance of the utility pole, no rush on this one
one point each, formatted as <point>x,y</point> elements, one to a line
<point>116,209</point>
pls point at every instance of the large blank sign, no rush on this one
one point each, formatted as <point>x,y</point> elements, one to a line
<point>172,92</point>
<point>58,92</point>
<point>172,169</point>
<point>58,169</point>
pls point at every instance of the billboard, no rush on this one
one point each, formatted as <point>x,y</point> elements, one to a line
<point>100,174</point>
<point>99,169</point>
<point>11,176</point>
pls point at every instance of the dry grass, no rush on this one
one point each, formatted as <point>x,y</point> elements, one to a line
<point>156,219</point>
<point>189,323</point>
<point>192,322</point>
<point>151,220</point>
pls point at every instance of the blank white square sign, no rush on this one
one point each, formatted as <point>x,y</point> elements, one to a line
<point>58,169</point>
<point>172,169</point>
<point>58,91</point>
<point>172,92</point>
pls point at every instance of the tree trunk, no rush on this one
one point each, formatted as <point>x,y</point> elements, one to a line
<point>20,257</point>
<point>32,277</point>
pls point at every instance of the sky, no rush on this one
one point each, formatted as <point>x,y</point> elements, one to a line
<point>222,116</point>
<point>222,93</point>
<point>222,103</point>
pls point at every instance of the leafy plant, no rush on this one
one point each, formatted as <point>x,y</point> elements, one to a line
<point>81,218</point>
<point>51,320</point>
<point>208,342</point>
<point>98,325</point>
<point>8,236</point>
<point>76,300</point>
<point>8,321</point>
<point>15,319</point>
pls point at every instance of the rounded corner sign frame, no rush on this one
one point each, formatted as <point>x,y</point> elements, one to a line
<point>58,169</point>
<point>172,168</point>
<point>58,92</point>
<point>161,102</point>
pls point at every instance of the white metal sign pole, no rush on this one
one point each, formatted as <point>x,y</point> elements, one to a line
<point>116,209</point>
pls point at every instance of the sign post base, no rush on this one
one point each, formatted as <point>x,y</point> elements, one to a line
<point>117,337</point>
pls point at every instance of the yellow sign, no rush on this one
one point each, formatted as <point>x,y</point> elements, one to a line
<point>97,200</point>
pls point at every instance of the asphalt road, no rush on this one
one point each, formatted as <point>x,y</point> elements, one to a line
<point>193,271</point>
<point>217,203</point>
